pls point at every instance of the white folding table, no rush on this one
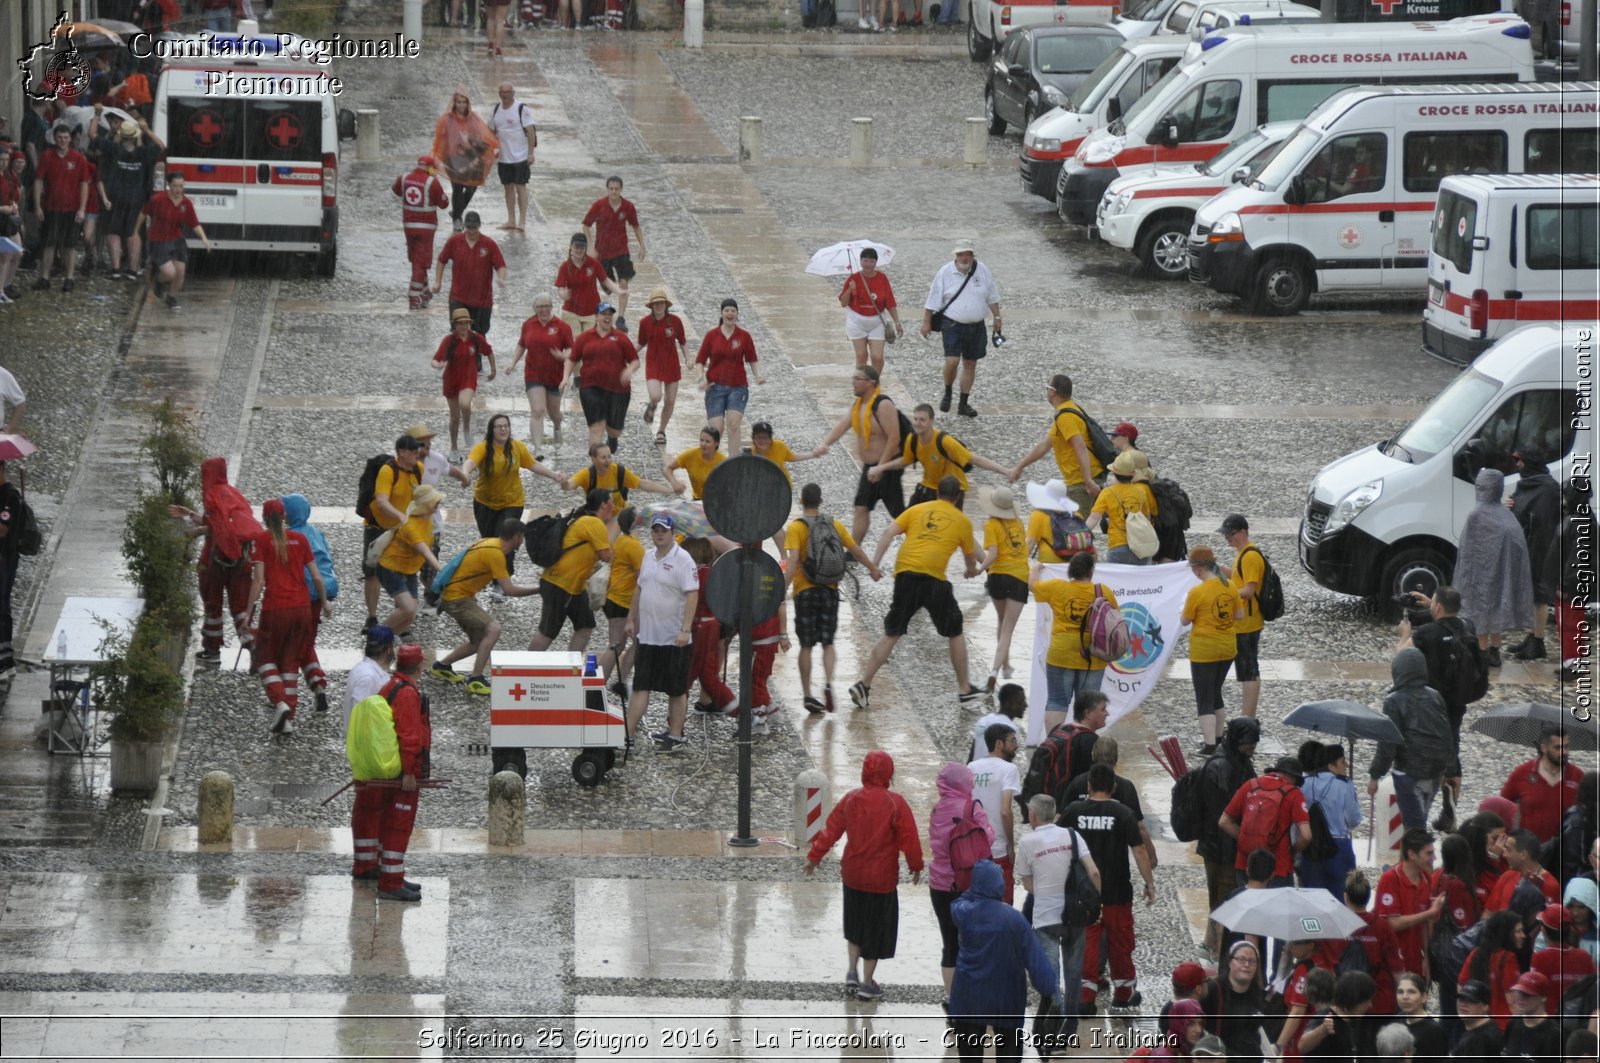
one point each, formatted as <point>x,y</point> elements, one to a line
<point>75,645</point>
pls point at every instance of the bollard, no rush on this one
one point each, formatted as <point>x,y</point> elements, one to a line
<point>506,809</point>
<point>750,139</point>
<point>367,135</point>
<point>694,23</point>
<point>860,142</point>
<point>811,803</point>
<point>411,26</point>
<point>216,808</point>
<point>1386,826</point>
<point>977,150</point>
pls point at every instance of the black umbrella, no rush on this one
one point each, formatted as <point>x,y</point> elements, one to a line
<point>1347,719</point>
<point>1521,724</point>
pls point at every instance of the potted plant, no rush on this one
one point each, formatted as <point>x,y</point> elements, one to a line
<point>139,689</point>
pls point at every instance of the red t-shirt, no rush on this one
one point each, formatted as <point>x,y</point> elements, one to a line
<point>1542,804</point>
<point>660,339</point>
<point>1291,810</point>
<point>1563,966</point>
<point>725,356</point>
<point>472,276</point>
<point>1398,895</point>
<point>64,177</point>
<point>91,205</point>
<point>610,226</point>
<point>1460,901</point>
<point>1504,886</point>
<point>1485,882</point>
<point>169,220</point>
<point>541,341</point>
<point>285,582</point>
<point>1378,940</point>
<point>584,284</point>
<point>601,359</point>
<point>860,289</point>
<point>1504,970</point>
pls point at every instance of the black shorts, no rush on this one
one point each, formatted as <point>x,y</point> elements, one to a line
<point>968,341</point>
<point>619,268</point>
<point>59,230</point>
<point>556,606</point>
<point>613,611</point>
<point>887,490</point>
<point>513,173</point>
<point>1006,588</point>
<point>1247,659</point>
<point>168,251</point>
<point>608,406</point>
<point>918,590</point>
<point>369,535</point>
<point>662,669</point>
<point>872,922</point>
<point>480,315</point>
<point>923,493</point>
<point>123,219</point>
<point>816,616</point>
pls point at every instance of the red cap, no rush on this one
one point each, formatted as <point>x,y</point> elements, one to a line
<point>272,507</point>
<point>1555,917</point>
<point>1127,429</point>
<point>426,161</point>
<point>1532,983</point>
<point>1188,975</point>
<point>410,653</point>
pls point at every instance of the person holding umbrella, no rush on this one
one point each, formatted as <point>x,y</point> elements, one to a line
<point>866,296</point>
<point>1327,788</point>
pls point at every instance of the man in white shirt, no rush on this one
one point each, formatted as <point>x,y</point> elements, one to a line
<point>1043,857</point>
<point>372,672</point>
<point>963,293</point>
<point>661,622</point>
<point>995,782</point>
<point>513,124</point>
<point>1013,711</point>
<point>11,394</point>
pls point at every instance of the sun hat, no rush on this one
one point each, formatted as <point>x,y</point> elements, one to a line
<point>659,295</point>
<point>423,499</point>
<point>964,249</point>
<point>128,130</point>
<point>460,313</point>
<point>998,502</point>
<point>1051,496</point>
<point>420,432</point>
<point>1125,464</point>
<point>1141,466</point>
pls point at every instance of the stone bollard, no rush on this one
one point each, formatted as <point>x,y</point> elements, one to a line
<point>694,23</point>
<point>367,135</point>
<point>750,139</point>
<point>411,25</point>
<point>216,808</point>
<point>860,142</point>
<point>506,809</point>
<point>812,800</point>
<point>977,150</point>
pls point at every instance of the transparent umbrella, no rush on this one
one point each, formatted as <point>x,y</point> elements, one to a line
<point>838,260</point>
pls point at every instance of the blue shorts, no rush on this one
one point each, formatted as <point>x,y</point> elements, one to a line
<point>720,398</point>
<point>1063,685</point>
<point>397,583</point>
<point>967,341</point>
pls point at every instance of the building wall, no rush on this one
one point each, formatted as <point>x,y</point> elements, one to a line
<point>24,23</point>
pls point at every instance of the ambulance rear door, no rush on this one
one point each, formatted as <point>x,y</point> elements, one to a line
<point>282,153</point>
<point>205,143</point>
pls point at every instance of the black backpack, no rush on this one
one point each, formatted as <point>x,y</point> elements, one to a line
<point>1322,845</point>
<point>1188,807</point>
<point>906,430</point>
<point>1466,671</point>
<point>25,537</point>
<point>1081,907</point>
<point>547,535</point>
<point>1099,443</point>
<point>1269,596</point>
<point>367,487</point>
<point>622,478</point>
<point>1172,518</point>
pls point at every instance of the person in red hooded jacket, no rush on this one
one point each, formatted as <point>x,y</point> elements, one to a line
<point>229,526</point>
<point>880,827</point>
<point>384,813</point>
<point>421,197</point>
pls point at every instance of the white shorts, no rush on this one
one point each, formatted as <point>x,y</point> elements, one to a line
<point>861,327</point>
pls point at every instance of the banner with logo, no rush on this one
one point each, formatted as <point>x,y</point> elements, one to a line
<point>1151,598</point>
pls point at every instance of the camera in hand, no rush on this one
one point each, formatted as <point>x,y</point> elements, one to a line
<point>1414,612</point>
<point>998,339</point>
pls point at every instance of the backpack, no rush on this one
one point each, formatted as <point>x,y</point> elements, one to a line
<point>1322,845</point>
<point>1455,956</point>
<point>1353,958</point>
<point>546,537</point>
<point>370,743</point>
<point>1142,537</point>
<point>1172,518</point>
<point>1094,436</point>
<point>906,431</point>
<point>1269,596</point>
<point>969,843</point>
<point>622,478</point>
<point>1188,807</point>
<point>1258,824</point>
<point>367,486</point>
<point>1069,534</point>
<point>447,575</point>
<point>827,13</point>
<point>825,553</point>
<point>1104,632</point>
<point>1081,907</point>
<point>25,537</point>
<point>1440,941</point>
<point>1051,766</point>
<point>1466,673</point>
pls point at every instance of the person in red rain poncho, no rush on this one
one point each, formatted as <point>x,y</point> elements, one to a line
<point>229,526</point>
<point>421,195</point>
<point>458,357</point>
<point>281,563</point>
<point>880,827</point>
<point>384,813</point>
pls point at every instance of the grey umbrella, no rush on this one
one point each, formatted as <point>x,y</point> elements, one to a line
<point>1288,913</point>
<point>1347,719</point>
<point>1522,723</point>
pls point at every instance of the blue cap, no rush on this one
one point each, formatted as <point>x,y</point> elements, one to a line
<point>379,635</point>
<point>663,520</point>
<point>605,308</point>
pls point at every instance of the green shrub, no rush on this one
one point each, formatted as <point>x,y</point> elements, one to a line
<point>135,684</point>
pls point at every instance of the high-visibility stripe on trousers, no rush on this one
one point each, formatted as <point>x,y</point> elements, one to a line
<point>394,835</point>
<point>703,663</point>
<point>279,650</point>
<point>217,583</point>
<point>366,820</point>
<point>1116,930</point>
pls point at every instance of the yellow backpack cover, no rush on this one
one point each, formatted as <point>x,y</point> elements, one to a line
<point>370,743</point>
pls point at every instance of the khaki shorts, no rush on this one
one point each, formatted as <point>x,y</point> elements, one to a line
<point>579,324</point>
<point>473,618</point>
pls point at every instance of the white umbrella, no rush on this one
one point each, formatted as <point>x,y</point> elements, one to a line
<point>838,260</point>
<point>1289,914</point>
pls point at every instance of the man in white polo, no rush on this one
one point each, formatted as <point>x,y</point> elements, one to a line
<point>962,294</point>
<point>513,124</point>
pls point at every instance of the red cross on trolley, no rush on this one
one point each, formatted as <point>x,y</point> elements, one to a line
<point>284,131</point>
<point>517,691</point>
<point>205,128</point>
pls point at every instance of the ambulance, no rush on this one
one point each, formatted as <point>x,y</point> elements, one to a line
<point>1509,249</point>
<point>1239,78</point>
<point>1124,76</point>
<point>1348,201</point>
<point>1151,213</point>
<point>250,123</point>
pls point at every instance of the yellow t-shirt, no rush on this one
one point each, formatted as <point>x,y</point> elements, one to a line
<point>608,478</point>
<point>581,547</point>
<point>1069,601</point>
<point>627,554</point>
<point>485,562</point>
<point>1062,428</point>
<point>780,455</point>
<point>401,554</point>
<point>933,531</point>
<point>1116,500</point>
<point>1209,607</point>
<point>1248,567</point>
<point>397,489</point>
<point>1039,532</point>
<point>1012,558</point>
<point>698,467</point>
<point>499,484</point>
<point>954,461</point>
<point>798,539</point>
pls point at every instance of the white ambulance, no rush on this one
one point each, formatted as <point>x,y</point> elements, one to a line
<point>1509,249</point>
<point>250,122</point>
<point>1243,77</point>
<point>1113,87</point>
<point>1151,213</point>
<point>1347,203</point>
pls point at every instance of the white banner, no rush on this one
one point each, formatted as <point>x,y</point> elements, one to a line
<point>1151,598</point>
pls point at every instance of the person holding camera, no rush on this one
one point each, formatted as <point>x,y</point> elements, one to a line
<point>962,294</point>
<point>1457,666</point>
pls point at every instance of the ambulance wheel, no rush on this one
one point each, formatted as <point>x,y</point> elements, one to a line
<point>589,767</point>
<point>1282,286</point>
<point>1417,568</point>
<point>1164,247</point>
<point>326,261</point>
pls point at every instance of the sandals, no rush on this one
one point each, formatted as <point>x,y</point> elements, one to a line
<point>661,439</point>
<point>649,413</point>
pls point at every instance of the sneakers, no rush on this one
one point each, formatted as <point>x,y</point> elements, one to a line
<point>288,727</point>
<point>172,302</point>
<point>446,673</point>
<point>861,24</point>
<point>814,707</point>
<point>966,411</point>
<point>731,709</point>
<point>860,695</point>
<point>972,694</point>
<point>68,284</point>
<point>1529,649</point>
<point>852,982</point>
<point>668,743</point>
<point>869,991</point>
<point>758,718</point>
<point>280,719</point>
<point>322,701</point>
<point>705,707</point>
<point>1133,1000</point>
<point>479,685</point>
<point>402,894</point>
<point>209,657</point>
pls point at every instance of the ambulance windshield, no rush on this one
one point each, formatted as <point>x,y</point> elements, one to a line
<point>1286,163</point>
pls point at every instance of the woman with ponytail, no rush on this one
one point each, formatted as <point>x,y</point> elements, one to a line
<point>498,462</point>
<point>282,562</point>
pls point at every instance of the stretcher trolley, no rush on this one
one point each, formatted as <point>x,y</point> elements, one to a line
<point>555,701</point>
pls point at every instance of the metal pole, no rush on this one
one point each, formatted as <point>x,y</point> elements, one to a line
<point>747,656</point>
<point>1587,59</point>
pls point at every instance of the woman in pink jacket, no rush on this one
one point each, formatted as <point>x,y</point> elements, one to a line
<point>955,794</point>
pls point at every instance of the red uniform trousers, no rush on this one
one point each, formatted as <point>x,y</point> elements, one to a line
<point>419,250</point>
<point>311,666</point>
<point>381,822</point>
<point>1572,632</point>
<point>761,671</point>
<point>703,662</point>
<point>1116,929</point>
<point>279,651</point>
<point>215,582</point>
<point>1007,866</point>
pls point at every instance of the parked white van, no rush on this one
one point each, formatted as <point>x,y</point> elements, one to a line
<point>1140,18</point>
<point>1151,213</point>
<point>1509,249</point>
<point>1127,73</point>
<point>1347,202</point>
<point>250,122</point>
<point>1240,78</point>
<point>1387,518</point>
<point>1248,13</point>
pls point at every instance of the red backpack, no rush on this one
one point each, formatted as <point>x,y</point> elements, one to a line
<point>1258,828</point>
<point>969,843</point>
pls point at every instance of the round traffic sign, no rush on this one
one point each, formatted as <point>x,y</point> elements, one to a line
<point>766,585</point>
<point>747,498</point>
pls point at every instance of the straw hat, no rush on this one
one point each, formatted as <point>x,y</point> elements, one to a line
<point>423,499</point>
<point>998,502</point>
<point>460,313</point>
<point>1125,464</point>
<point>1141,466</point>
<point>659,295</point>
<point>1051,496</point>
